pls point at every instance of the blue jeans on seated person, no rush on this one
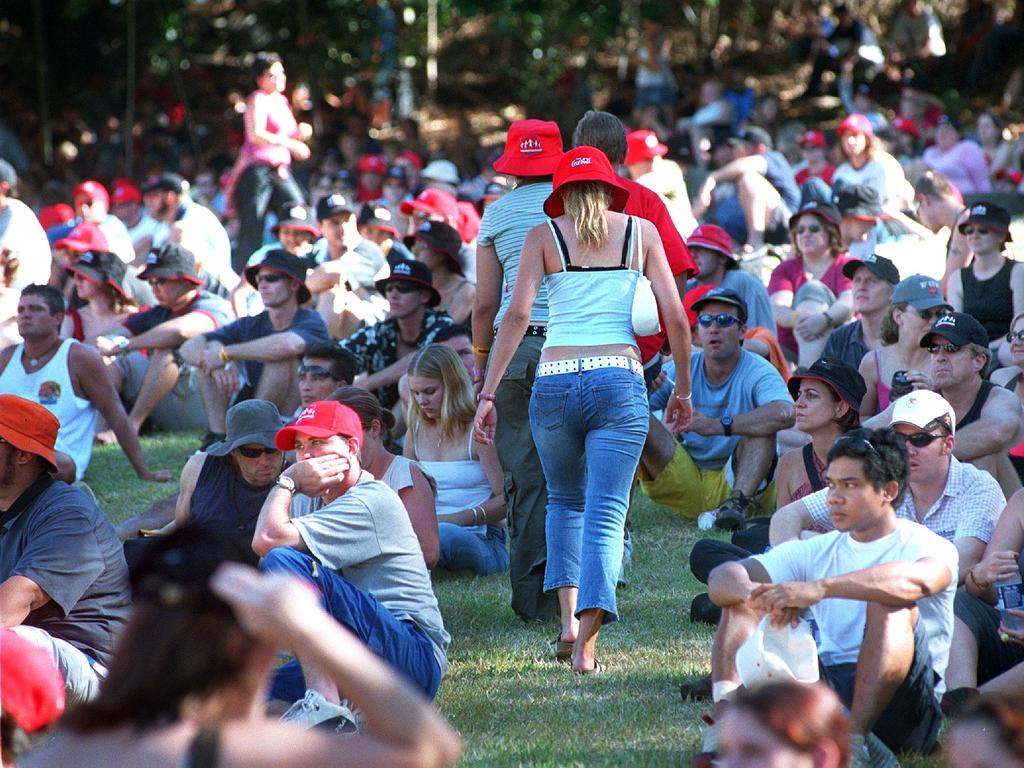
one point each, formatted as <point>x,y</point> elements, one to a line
<point>402,644</point>
<point>464,549</point>
<point>589,428</point>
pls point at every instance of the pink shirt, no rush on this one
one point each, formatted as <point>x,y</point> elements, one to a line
<point>964,165</point>
<point>790,275</point>
<point>280,121</point>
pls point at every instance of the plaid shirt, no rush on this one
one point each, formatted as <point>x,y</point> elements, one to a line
<point>376,347</point>
<point>969,505</point>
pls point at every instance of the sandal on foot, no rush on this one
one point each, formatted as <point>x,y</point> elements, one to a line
<point>563,649</point>
<point>732,514</point>
<point>597,669</point>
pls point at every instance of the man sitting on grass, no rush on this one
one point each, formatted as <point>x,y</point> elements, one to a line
<point>880,590</point>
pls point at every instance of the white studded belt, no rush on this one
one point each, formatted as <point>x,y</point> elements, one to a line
<point>590,364</point>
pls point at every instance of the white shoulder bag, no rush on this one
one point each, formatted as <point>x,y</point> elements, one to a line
<point>645,307</point>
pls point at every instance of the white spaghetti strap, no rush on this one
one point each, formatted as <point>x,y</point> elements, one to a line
<point>469,444</point>
<point>639,248</point>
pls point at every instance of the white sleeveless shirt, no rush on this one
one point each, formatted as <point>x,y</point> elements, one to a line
<point>51,387</point>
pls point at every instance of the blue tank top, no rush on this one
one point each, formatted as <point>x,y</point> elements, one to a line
<point>223,500</point>
<point>591,306</point>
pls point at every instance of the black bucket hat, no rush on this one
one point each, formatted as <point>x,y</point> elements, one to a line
<point>279,260</point>
<point>251,422</point>
<point>443,238</point>
<point>172,261</point>
<point>412,272</point>
<point>101,267</point>
<point>844,380</point>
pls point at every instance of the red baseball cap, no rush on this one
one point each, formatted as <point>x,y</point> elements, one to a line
<point>125,191</point>
<point>324,418</point>
<point>585,164</point>
<point>410,157</point>
<point>713,237</point>
<point>31,687</point>
<point>1010,175</point>
<point>433,200</point>
<point>855,123</point>
<point>55,215</point>
<point>84,237</point>
<point>907,126</point>
<point>813,139</point>
<point>532,148</point>
<point>468,221</point>
<point>373,164</point>
<point>92,190</point>
<point>29,427</point>
<point>643,145</point>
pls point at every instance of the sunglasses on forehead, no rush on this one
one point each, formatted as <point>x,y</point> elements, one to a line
<point>316,370</point>
<point>859,445</point>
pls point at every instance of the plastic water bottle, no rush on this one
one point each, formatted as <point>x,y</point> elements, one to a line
<point>1010,594</point>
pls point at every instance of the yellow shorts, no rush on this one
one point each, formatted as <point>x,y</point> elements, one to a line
<point>689,490</point>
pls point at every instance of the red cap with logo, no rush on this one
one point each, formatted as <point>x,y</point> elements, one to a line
<point>585,164</point>
<point>433,200</point>
<point>643,145</point>
<point>532,148</point>
<point>31,687</point>
<point>373,164</point>
<point>813,139</point>
<point>84,237</point>
<point>855,123</point>
<point>324,418</point>
<point>91,190</point>
<point>125,191</point>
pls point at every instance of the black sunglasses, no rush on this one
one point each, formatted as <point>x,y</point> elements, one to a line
<point>812,228</point>
<point>949,348</point>
<point>269,277</point>
<point>1015,335</point>
<point>859,445</point>
<point>722,320</point>
<point>402,286</point>
<point>920,439</point>
<point>254,453</point>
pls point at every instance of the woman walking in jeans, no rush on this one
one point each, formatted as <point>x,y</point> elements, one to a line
<point>588,411</point>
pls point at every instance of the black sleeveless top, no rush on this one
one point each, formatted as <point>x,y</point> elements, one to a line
<point>990,301</point>
<point>225,501</point>
<point>979,402</point>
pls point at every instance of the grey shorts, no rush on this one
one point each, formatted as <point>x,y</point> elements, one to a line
<point>181,408</point>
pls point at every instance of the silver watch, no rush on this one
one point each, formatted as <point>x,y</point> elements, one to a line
<point>283,481</point>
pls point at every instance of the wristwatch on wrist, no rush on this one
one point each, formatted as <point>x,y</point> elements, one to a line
<point>726,422</point>
<point>283,481</point>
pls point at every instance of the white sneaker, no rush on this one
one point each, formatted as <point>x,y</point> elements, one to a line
<point>314,711</point>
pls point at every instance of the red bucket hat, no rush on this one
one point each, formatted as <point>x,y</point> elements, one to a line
<point>712,237</point>
<point>585,164</point>
<point>31,686</point>
<point>29,427</point>
<point>532,148</point>
<point>855,123</point>
<point>324,418</point>
<point>643,145</point>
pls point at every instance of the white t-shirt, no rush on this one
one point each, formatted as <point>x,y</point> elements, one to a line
<point>840,621</point>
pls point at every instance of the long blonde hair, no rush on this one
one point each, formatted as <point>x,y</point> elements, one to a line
<point>586,203</point>
<point>438,362</point>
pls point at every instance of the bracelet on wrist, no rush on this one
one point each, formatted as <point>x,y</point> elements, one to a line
<point>222,353</point>
<point>481,350</point>
<point>682,399</point>
<point>486,396</point>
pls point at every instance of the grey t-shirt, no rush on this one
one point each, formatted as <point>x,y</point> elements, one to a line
<point>365,535</point>
<point>63,542</point>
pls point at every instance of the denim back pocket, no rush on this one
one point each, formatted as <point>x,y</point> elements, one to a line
<point>547,408</point>
<point>621,402</point>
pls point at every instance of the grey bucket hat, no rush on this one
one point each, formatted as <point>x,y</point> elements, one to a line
<point>249,422</point>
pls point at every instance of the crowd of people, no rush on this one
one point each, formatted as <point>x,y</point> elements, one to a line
<point>403,366</point>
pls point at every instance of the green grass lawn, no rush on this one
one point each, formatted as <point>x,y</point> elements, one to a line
<point>513,704</point>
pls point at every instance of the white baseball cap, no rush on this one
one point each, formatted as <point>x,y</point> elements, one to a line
<point>921,407</point>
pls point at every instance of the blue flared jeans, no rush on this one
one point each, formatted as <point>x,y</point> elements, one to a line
<point>589,428</point>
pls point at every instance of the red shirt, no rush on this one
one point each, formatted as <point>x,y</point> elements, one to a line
<point>648,204</point>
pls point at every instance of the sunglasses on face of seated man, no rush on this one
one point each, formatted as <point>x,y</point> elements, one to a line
<point>722,320</point>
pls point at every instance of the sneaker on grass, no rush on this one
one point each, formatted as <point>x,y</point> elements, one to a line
<point>314,711</point>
